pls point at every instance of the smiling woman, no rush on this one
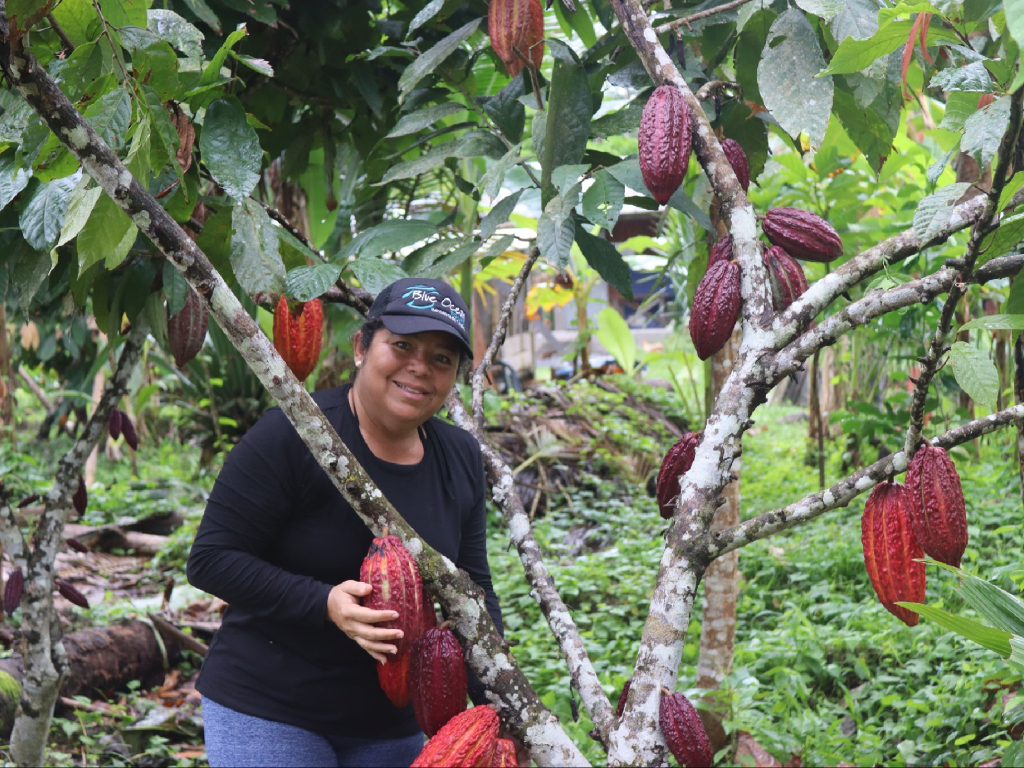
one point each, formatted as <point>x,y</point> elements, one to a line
<point>290,678</point>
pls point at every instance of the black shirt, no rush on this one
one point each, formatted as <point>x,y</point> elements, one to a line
<point>277,536</point>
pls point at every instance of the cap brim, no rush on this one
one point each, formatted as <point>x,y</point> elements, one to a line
<point>407,326</point>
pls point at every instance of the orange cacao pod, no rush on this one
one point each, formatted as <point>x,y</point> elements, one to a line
<point>890,550</point>
<point>392,573</point>
<point>802,234</point>
<point>516,25</point>
<point>684,732</point>
<point>396,680</point>
<point>12,591</point>
<point>468,739</point>
<point>676,463</point>
<point>505,754</point>
<point>716,307</point>
<point>621,706</point>
<point>786,275</point>
<point>664,140</point>
<point>738,161</point>
<point>186,329</point>
<point>439,675</point>
<point>297,335</point>
<point>720,251</point>
<point>938,514</point>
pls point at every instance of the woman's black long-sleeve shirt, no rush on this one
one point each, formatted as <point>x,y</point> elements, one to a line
<point>277,536</point>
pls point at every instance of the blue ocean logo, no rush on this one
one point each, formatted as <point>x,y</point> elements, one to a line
<point>421,293</point>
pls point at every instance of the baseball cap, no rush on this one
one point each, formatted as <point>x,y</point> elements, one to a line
<point>414,305</point>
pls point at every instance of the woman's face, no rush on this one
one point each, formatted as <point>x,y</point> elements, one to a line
<point>404,380</point>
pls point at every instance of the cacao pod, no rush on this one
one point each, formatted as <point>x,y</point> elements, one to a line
<point>297,335</point>
<point>505,754</point>
<point>738,161</point>
<point>621,706</point>
<point>81,498</point>
<point>468,739</point>
<point>128,430</point>
<point>114,424</point>
<point>186,329</point>
<point>802,234</point>
<point>71,594</point>
<point>938,514</point>
<point>786,275</point>
<point>890,550</point>
<point>28,500</point>
<point>439,675</point>
<point>664,140</point>
<point>76,545</point>
<point>516,25</point>
<point>12,591</point>
<point>683,731</point>
<point>716,307</point>
<point>392,573</point>
<point>676,463</point>
<point>396,680</point>
<point>720,251</point>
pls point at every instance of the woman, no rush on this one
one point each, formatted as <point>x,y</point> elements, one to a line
<point>290,677</point>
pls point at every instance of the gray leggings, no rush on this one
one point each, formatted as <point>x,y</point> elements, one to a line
<point>233,738</point>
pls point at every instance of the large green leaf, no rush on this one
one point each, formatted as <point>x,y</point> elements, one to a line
<point>995,605</point>
<point>255,259</point>
<point>175,30</point>
<point>995,322</point>
<point>934,211</point>
<point>984,130</point>
<point>606,259</point>
<point>603,200</point>
<point>871,135</point>
<point>556,230</point>
<point>1015,21</point>
<point>12,179</point>
<point>506,110</point>
<point>499,214</point>
<point>80,206</point>
<point>490,183</point>
<point>615,336</point>
<point>569,108</point>
<point>992,639</point>
<point>212,74</point>
<point>110,116</point>
<point>1009,234</point>
<point>231,150</point>
<point>788,77</point>
<point>425,14</point>
<point>307,283</point>
<point>175,288</point>
<point>376,274</point>
<point>393,235</point>
<point>422,118</point>
<point>853,54</point>
<point>858,19</point>
<point>972,78</point>
<point>433,58</point>
<point>975,373</point>
<point>450,261</point>
<point>472,144</point>
<point>43,216</point>
<point>107,236</point>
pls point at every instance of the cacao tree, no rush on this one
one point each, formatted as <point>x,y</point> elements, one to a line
<point>159,159</point>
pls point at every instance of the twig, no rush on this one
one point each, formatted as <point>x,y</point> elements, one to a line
<point>686,21</point>
<point>705,91</point>
<point>35,389</point>
<point>184,639</point>
<point>113,47</point>
<point>68,45</point>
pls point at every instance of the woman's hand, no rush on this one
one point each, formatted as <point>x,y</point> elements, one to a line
<point>357,622</point>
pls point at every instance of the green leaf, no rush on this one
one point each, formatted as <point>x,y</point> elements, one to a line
<point>1009,234</point>
<point>498,247</point>
<point>996,605</point>
<point>934,211</point>
<point>43,216</point>
<point>123,13</point>
<point>615,336</point>
<point>1014,752</point>
<point>13,179</point>
<point>569,108</point>
<point>858,19</point>
<point>80,206</point>
<point>975,373</point>
<point>683,202</point>
<point>430,60</point>
<point>472,144</point>
<point>426,13</point>
<point>984,130</point>
<point>427,254</point>
<point>157,66</point>
<point>392,235</point>
<point>623,120</point>
<point>1012,187</point>
<point>602,202</point>
<point>871,135</point>
<point>1014,10</point>
<point>307,283</point>
<point>110,116</point>
<point>823,9</point>
<point>231,150</point>
<point>499,214</point>
<point>175,288</point>
<point>788,78</point>
<point>450,261</point>
<point>211,74</point>
<point>606,259</point>
<point>505,109</point>
<point>107,236</point>
<point>973,78</point>
<point>255,259</point>
<point>995,322</point>
<point>376,274</point>
<point>422,118</point>
<point>29,269</point>
<point>556,230</point>
<point>175,30</point>
<point>490,183</point>
<point>204,13</point>
<point>854,55</point>
<point>1015,301</point>
<point>15,120</point>
<point>262,66</point>
<point>959,106</point>
<point>991,639</point>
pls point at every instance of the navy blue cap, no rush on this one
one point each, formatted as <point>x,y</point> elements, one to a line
<point>414,305</point>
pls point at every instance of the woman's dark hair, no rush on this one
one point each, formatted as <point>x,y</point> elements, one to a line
<point>369,330</point>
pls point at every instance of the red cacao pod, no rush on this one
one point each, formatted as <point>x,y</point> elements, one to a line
<point>468,739</point>
<point>720,251</point>
<point>786,275</point>
<point>621,706</point>
<point>81,498</point>
<point>676,463</point>
<point>683,731</point>
<point>71,594</point>
<point>297,335</point>
<point>938,514</point>
<point>439,675</point>
<point>890,550</point>
<point>128,430</point>
<point>396,679</point>
<point>505,754</point>
<point>716,307</point>
<point>186,329</point>
<point>665,139</point>
<point>114,424</point>
<point>76,545</point>
<point>802,234</point>
<point>516,25</point>
<point>12,591</point>
<point>738,161</point>
<point>28,500</point>
<point>392,573</point>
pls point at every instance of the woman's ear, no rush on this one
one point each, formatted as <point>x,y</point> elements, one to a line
<point>357,348</point>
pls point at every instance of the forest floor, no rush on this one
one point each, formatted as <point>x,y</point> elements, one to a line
<point>823,674</point>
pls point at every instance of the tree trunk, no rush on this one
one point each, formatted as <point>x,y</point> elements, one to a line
<point>6,376</point>
<point>1018,396</point>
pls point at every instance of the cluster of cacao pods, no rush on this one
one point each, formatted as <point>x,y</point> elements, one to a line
<point>186,328</point>
<point>298,332</point>
<point>903,523</point>
<point>119,424</point>
<point>468,739</point>
<point>677,462</point>
<point>516,28</point>
<point>802,234</point>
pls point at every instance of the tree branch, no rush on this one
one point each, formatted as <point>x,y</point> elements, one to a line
<point>686,21</point>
